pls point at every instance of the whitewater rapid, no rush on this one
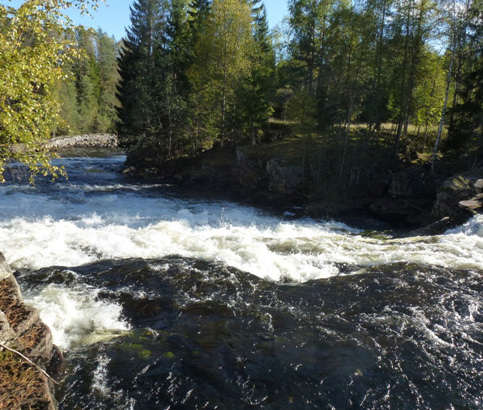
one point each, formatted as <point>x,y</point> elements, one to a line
<point>100,215</point>
<point>76,222</point>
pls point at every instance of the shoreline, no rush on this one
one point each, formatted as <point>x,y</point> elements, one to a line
<point>412,199</point>
<point>27,353</point>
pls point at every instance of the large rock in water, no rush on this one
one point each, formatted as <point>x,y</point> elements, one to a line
<point>23,384</point>
<point>460,196</point>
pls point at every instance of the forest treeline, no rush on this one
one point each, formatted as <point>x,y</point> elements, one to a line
<point>55,77</point>
<point>88,90</point>
<point>195,73</point>
<point>359,82</point>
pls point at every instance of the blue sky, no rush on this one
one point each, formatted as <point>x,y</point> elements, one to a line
<point>113,15</point>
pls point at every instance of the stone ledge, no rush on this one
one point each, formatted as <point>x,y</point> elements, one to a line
<point>22,384</point>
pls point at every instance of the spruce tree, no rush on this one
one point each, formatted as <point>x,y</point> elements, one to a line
<point>256,91</point>
<point>142,64</point>
<point>86,72</point>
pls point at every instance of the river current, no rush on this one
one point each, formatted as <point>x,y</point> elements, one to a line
<point>162,300</point>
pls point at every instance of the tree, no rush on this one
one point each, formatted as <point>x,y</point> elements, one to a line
<point>142,64</point>
<point>411,27</point>
<point>221,59</point>
<point>309,28</point>
<point>376,17</point>
<point>67,96</point>
<point>88,92</point>
<point>107,50</point>
<point>34,48</point>
<point>257,89</point>
<point>428,95</point>
<point>466,127</point>
<point>86,72</point>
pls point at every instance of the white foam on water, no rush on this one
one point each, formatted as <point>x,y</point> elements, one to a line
<point>102,385</point>
<point>268,247</point>
<point>74,224</point>
<point>77,222</point>
<point>76,316</point>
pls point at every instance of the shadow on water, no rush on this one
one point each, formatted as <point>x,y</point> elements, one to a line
<point>204,335</point>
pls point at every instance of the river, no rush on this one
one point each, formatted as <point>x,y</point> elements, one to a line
<point>163,300</point>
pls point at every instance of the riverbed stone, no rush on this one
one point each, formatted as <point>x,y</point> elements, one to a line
<point>5,270</point>
<point>284,177</point>
<point>7,335</point>
<point>473,205</point>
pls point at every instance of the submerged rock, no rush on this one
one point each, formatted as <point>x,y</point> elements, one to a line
<point>23,384</point>
<point>205,335</point>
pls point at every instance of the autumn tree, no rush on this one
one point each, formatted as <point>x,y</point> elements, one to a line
<point>34,48</point>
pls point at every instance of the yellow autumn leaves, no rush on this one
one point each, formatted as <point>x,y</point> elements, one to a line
<point>34,47</point>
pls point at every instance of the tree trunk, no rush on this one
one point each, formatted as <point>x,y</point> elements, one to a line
<point>445,104</point>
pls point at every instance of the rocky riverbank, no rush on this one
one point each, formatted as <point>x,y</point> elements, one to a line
<point>83,141</point>
<point>26,350</point>
<point>408,198</point>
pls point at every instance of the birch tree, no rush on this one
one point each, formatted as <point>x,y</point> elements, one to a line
<point>222,58</point>
<point>34,48</point>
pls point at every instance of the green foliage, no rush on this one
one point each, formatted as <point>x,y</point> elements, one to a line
<point>221,60</point>
<point>34,48</point>
<point>206,72</point>
<point>107,50</point>
<point>466,127</point>
<point>153,107</point>
<point>88,95</point>
<point>255,93</point>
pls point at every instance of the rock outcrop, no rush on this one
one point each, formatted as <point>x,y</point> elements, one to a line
<point>460,196</point>
<point>276,174</point>
<point>23,383</point>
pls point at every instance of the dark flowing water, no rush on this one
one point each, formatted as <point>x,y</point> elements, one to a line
<point>161,301</point>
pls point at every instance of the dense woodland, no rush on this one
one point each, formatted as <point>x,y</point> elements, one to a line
<point>362,85</point>
<point>405,74</point>
<point>88,90</point>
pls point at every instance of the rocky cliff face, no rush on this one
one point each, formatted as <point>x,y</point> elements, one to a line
<point>23,385</point>
<point>460,196</point>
